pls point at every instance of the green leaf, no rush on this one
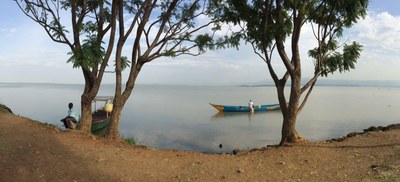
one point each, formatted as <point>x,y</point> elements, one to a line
<point>125,63</point>
<point>204,42</point>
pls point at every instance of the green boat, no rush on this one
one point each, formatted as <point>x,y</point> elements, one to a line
<point>101,119</point>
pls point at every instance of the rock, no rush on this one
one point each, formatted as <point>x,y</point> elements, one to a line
<point>240,170</point>
<point>352,134</point>
<point>236,151</point>
<point>281,163</point>
<point>313,173</point>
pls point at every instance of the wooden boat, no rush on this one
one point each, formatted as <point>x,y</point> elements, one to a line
<point>100,118</point>
<point>224,108</point>
<point>100,122</point>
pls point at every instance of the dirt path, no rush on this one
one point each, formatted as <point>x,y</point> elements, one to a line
<point>33,152</point>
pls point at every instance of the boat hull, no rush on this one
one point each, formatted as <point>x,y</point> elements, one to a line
<point>257,108</point>
<point>100,123</point>
<point>100,127</point>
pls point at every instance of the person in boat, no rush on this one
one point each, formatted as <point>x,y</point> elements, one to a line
<point>251,106</point>
<point>72,119</point>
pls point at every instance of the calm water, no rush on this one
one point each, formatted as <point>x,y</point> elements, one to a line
<point>179,117</point>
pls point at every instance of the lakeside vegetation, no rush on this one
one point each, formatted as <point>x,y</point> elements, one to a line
<point>131,140</point>
<point>4,108</point>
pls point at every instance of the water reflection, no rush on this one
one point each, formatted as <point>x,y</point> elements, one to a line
<point>251,116</point>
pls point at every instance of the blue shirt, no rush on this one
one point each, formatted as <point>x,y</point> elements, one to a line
<point>73,114</point>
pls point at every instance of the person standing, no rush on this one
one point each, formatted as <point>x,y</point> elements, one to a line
<point>251,106</point>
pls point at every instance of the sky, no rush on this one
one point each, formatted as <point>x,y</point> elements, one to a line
<point>28,55</point>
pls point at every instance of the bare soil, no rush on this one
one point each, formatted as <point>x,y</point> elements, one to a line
<point>30,151</point>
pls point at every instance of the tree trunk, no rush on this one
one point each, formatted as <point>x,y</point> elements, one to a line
<point>118,103</point>
<point>86,113</point>
<point>113,130</point>
<point>92,85</point>
<point>289,133</point>
<point>120,100</point>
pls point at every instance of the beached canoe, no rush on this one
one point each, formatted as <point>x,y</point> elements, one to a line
<point>100,123</point>
<point>101,119</point>
<point>224,108</point>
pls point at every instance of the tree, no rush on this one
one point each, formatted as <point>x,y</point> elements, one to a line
<point>161,29</point>
<point>270,25</point>
<point>90,20</point>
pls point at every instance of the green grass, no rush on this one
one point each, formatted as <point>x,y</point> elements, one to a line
<point>389,176</point>
<point>131,140</point>
<point>388,173</point>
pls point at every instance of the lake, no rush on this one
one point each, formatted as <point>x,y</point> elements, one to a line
<point>180,117</point>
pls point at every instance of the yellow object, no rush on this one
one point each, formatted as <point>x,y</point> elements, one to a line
<point>108,107</point>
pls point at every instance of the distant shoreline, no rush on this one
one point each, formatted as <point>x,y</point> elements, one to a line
<point>320,83</point>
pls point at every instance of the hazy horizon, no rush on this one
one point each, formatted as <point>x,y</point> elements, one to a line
<point>320,82</point>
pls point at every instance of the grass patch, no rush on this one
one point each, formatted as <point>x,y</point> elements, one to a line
<point>389,176</point>
<point>131,140</point>
<point>388,173</point>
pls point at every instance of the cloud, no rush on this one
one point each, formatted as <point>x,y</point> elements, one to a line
<point>9,31</point>
<point>379,30</point>
<point>379,33</point>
